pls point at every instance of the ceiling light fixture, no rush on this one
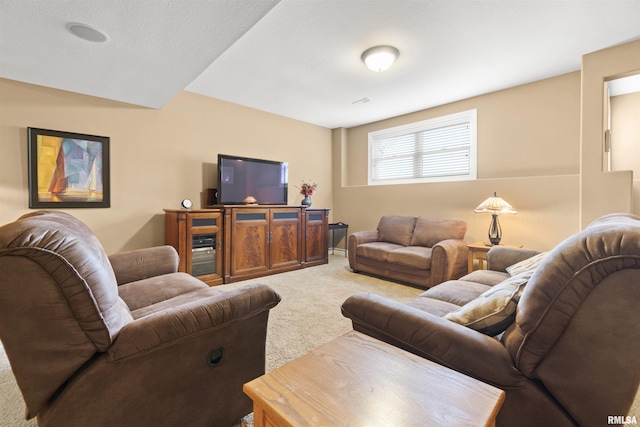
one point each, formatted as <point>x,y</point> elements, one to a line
<point>86,32</point>
<point>380,58</point>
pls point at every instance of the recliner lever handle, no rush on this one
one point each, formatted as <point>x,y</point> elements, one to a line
<point>215,356</point>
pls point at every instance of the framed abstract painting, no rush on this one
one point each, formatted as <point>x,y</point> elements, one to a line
<point>68,170</point>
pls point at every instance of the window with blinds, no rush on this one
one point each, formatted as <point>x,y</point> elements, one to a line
<point>440,149</point>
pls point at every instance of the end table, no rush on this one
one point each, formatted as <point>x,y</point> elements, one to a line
<point>339,226</point>
<point>478,251</point>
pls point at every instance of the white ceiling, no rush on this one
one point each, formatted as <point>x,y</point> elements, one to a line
<point>156,47</point>
<point>301,58</point>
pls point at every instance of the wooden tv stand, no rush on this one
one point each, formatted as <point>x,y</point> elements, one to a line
<point>226,244</point>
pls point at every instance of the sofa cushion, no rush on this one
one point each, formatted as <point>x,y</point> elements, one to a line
<point>146,292</point>
<point>378,251</point>
<point>456,292</point>
<point>396,229</point>
<point>493,311</point>
<point>486,277</point>
<point>432,306</point>
<point>196,296</point>
<point>526,265</point>
<point>430,231</point>
<point>411,256</point>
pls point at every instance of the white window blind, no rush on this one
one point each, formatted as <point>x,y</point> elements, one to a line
<point>441,149</point>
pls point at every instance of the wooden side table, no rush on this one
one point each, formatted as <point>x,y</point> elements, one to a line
<point>356,380</point>
<point>478,251</point>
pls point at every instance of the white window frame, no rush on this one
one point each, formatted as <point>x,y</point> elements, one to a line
<point>469,116</point>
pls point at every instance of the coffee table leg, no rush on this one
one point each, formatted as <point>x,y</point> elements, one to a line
<point>264,418</point>
<point>258,416</point>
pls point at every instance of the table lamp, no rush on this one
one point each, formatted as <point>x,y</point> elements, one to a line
<point>495,206</point>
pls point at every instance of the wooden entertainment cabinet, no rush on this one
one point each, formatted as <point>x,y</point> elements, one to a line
<point>227,244</point>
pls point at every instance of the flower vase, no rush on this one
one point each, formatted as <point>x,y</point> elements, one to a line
<point>306,201</point>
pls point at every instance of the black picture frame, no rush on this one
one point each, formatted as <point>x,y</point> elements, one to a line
<point>68,170</point>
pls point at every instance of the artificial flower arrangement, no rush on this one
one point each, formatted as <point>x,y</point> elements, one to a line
<point>307,188</point>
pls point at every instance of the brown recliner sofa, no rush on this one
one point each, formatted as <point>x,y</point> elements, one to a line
<point>422,251</point>
<point>568,357</point>
<point>122,340</point>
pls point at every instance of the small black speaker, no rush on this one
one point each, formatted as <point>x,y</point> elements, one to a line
<point>212,196</point>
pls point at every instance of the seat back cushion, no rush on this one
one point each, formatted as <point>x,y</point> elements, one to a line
<point>564,279</point>
<point>396,229</point>
<point>430,231</point>
<point>89,284</point>
<point>576,324</point>
<point>59,301</point>
<point>528,264</point>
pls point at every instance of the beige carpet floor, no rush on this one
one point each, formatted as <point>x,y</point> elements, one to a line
<point>308,316</point>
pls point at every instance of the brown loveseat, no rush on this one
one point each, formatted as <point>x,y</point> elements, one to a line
<point>422,251</point>
<point>122,340</point>
<point>569,354</point>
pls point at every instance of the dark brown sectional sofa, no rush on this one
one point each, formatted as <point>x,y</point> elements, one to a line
<point>562,341</point>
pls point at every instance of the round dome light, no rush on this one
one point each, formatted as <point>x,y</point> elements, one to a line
<point>380,58</point>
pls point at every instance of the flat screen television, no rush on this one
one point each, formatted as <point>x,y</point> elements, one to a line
<point>243,180</point>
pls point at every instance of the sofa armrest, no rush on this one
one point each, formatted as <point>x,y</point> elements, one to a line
<point>360,237</point>
<point>169,326</point>
<point>448,260</point>
<point>501,257</point>
<point>434,338</point>
<point>356,239</point>
<point>144,263</point>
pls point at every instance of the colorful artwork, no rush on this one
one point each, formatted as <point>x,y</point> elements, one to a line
<point>68,170</point>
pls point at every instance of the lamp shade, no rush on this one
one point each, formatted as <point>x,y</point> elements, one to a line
<point>380,58</point>
<point>495,205</point>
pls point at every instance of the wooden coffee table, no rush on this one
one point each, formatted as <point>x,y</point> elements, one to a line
<point>356,380</point>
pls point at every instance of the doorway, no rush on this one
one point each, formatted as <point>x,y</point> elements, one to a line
<point>622,135</point>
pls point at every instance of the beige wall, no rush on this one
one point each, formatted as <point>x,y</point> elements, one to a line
<point>543,116</point>
<point>158,157</point>
<point>602,192</point>
<point>539,147</point>
<point>625,154</point>
<point>625,125</point>
<point>528,152</point>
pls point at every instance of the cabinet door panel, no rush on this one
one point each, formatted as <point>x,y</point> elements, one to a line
<point>249,244</point>
<point>285,238</point>
<point>316,245</point>
<point>315,249</point>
